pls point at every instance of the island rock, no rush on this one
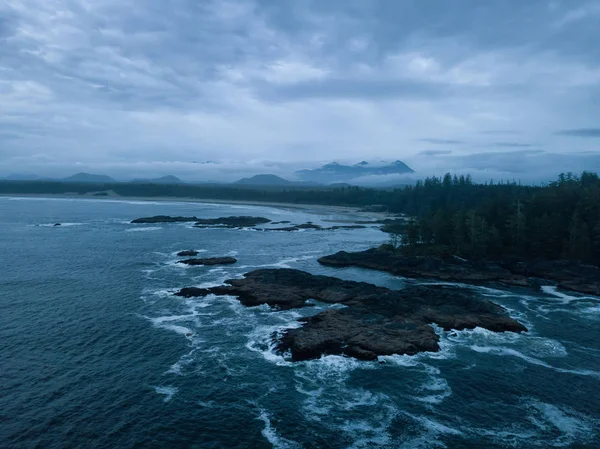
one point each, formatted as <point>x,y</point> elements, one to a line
<point>210,261</point>
<point>376,321</point>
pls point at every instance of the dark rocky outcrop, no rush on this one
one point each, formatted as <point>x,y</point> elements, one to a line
<point>210,261</point>
<point>569,275</point>
<point>163,219</point>
<point>188,253</point>
<point>231,222</point>
<point>376,321</point>
<point>57,224</point>
<point>511,271</point>
<point>315,227</point>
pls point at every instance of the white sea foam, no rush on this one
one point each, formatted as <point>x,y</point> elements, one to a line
<point>271,434</point>
<point>564,297</point>
<point>261,341</point>
<point>283,263</point>
<point>54,225</point>
<point>503,351</point>
<point>540,426</point>
<point>167,391</point>
<point>145,229</point>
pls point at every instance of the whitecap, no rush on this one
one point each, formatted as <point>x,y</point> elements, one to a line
<point>146,229</point>
<point>167,391</point>
<point>503,351</point>
<point>271,434</point>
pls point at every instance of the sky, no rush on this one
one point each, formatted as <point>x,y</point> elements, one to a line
<point>217,90</point>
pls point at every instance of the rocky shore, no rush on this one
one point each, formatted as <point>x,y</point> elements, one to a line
<point>229,222</point>
<point>511,271</point>
<point>375,320</point>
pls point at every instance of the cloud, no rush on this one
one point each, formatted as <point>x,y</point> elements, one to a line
<point>442,141</point>
<point>435,152</point>
<point>580,132</point>
<point>513,144</point>
<point>136,86</point>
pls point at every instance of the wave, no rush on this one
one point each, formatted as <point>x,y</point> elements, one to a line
<point>271,435</point>
<point>283,263</point>
<point>167,391</point>
<point>145,229</point>
<point>502,351</point>
<point>53,225</point>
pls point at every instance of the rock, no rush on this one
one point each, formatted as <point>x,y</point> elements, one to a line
<point>163,219</point>
<point>510,271</point>
<point>570,275</point>
<point>231,222</point>
<point>210,261</point>
<point>375,208</point>
<point>447,269</point>
<point>189,253</point>
<point>315,227</point>
<point>377,321</point>
<point>193,292</point>
<point>280,222</point>
<point>57,224</point>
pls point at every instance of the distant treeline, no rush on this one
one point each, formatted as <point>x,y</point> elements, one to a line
<point>451,214</point>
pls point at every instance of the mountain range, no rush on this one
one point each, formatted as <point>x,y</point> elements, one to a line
<point>365,173</point>
<point>335,172</point>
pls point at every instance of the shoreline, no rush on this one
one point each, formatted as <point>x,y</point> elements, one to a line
<point>319,208</point>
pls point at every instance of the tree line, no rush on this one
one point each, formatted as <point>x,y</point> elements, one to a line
<point>454,216</point>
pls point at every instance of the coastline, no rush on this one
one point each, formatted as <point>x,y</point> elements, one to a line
<point>319,208</point>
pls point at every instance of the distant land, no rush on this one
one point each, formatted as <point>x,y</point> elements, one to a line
<point>266,180</point>
<point>335,172</point>
<point>88,177</point>
<point>169,179</point>
<point>374,174</point>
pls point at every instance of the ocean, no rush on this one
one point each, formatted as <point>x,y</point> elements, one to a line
<point>96,352</point>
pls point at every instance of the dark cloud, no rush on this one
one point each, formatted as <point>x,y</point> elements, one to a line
<point>513,144</point>
<point>435,152</point>
<point>581,132</point>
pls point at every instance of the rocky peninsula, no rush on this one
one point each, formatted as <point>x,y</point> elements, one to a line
<point>568,275</point>
<point>376,320</point>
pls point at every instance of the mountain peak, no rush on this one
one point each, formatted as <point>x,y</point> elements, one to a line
<point>89,177</point>
<point>336,173</point>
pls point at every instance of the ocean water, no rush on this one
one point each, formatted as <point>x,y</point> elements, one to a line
<point>96,352</point>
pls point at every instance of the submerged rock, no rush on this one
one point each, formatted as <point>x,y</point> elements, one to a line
<point>163,219</point>
<point>376,321</point>
<point>189,253</point>
<point>210,261</point>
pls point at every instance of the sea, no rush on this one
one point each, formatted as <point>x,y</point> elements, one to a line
<point>96,352</point>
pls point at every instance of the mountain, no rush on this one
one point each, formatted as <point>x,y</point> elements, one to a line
<point>169,179</point>
<point>23,177</point>
<point>264,180</point>
<point>335,172</point>
<point>88,177</point>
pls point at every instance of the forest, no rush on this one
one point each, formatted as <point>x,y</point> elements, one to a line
<point>455,216</point>
<point>450,214</point>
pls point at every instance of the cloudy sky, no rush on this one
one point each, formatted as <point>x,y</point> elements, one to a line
<point>498,88</point>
